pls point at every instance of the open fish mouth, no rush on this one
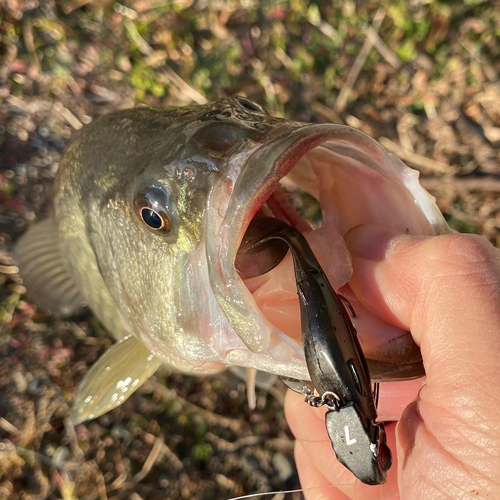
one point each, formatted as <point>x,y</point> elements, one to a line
<point>356,182</point>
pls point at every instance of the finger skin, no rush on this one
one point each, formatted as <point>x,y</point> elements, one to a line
<point>316,486</point>
<point>446,291</point>
<point>308,426</point>
<point>394,397</point>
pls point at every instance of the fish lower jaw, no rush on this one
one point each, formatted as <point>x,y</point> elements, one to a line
<point>277,353</point>
<point>356,183</point>
<point>271,362</point>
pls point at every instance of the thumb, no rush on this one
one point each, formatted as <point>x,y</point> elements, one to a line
<point>446,291</point>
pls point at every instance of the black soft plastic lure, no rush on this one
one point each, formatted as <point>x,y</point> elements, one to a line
<point>340,379</point>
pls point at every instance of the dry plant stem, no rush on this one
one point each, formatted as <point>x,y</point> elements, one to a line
<point>488,183</point>
<point>356,68</point>
<point>167,395</point>
<point>155,454</point>
<point>381,47</point>
<point>416,160</point>
<point>147,50</point>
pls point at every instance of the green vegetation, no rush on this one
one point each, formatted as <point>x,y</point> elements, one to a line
<point>427,84</point>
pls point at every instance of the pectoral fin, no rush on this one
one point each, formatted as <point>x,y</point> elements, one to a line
<point>115,376</point>
<point>44,273</point>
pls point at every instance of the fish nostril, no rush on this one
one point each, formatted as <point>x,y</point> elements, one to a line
<point>249,105</point>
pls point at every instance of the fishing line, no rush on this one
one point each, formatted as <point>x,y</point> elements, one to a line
<point>300,490</point>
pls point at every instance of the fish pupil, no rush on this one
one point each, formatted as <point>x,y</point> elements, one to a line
<point>151,218</point>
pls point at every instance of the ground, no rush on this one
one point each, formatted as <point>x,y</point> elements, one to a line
<point>419,76</point>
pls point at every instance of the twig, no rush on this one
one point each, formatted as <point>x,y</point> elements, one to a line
<point>226,446</point>
<point>170,74</point>
<point>126,11</point>
<point>327,29</point>
<point>31,107</point>
<point>166,451</point>
<point>9,269</point>
<point>68,116</point>
<point>117,482</point>
<point>142,45</point>
<point>327,113</point>
<point>72,437</point>
<point>66,486</point>
<point>486,183</point>
<point>28,38</point>
<point>71,6</point>
<point>381,47</point>
<point>212,418</point>
<point>226,483</point>
<point>153,456</point>
<point>356,68</point>
<point>418,161</point>
<point>7,426</point>
<point>285,59</point>
<point>18,103</point>
<point>192,93</point>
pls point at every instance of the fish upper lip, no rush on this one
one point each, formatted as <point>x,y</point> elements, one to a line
<point>257,179</point>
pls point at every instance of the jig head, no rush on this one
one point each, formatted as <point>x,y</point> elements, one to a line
<point>336,364</point>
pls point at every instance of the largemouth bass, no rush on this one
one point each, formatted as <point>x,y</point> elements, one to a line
<point>150,208</point>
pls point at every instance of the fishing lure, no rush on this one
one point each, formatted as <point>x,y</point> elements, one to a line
<point>340,379</point>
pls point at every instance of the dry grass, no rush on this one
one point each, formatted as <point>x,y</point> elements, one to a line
<point>420,76</point>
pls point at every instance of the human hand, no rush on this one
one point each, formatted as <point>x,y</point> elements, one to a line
<point>446,291</point>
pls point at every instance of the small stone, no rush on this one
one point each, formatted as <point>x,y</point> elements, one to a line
<point>119,432</point>
<point>61,454</point>
<point>44,131</point>
<point>23,135</point>
<point>282,466</point>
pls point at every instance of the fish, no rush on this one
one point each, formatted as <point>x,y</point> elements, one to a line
<point>150,209</point>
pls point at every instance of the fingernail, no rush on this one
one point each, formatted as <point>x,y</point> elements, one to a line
<point>371,242</point>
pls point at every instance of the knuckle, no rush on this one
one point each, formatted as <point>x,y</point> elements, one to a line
<point>462,260</point>
<point>464,251</point>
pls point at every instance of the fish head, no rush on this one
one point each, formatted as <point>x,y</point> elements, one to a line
<point>169,208</point>
<point>146,180</point>
<point>355,182</point>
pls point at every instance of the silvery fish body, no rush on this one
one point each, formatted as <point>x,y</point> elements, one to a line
<point>150,208</point>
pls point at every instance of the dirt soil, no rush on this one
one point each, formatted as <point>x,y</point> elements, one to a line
<point>420,76</point>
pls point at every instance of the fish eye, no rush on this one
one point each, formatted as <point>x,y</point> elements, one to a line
<point>249,105</point>
<point>151,214</point>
